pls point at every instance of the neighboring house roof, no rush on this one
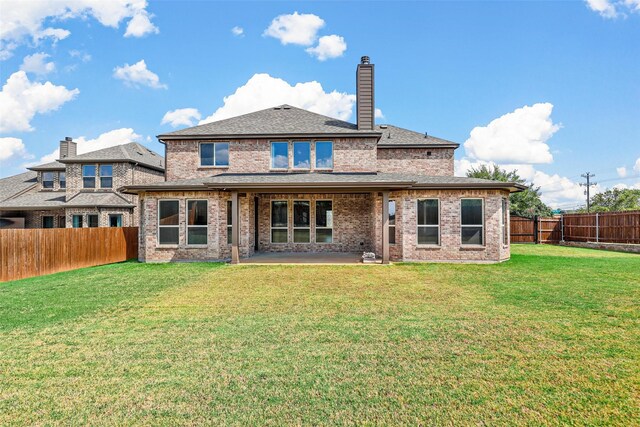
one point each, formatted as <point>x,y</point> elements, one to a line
<point>48,166</point>
<point>396,137</point>
<point>283,120</point>
<point>56,200</point>
<point>99,199</point>
<point>35,200</point>
<point>131,153</point>
<point>345,181</point>
<point>16,184</point>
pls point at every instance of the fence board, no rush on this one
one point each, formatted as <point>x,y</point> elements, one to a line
<point>522,230</point>
<point>34,252</point>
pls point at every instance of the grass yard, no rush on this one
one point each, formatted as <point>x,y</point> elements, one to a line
<point>551,337</point>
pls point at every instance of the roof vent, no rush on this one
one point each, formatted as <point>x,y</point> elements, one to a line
<point>426,135</point>
<point>286,107</point>
<point>68,138</point>
<point>383,126</point>
<point>364,60</point>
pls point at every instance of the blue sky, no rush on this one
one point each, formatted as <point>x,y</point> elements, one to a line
<point>549,88</point>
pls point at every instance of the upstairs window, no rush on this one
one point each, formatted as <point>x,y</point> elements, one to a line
<point>47,179</point>
<point>88,176</point>
<point>472,221</point>
<point>302,155</point>
<point>168,222</point>
<point>214,154</point>
<point>279,155</point>
<point>324,155</point>
<point>106,176</point>
<point>62,179</point>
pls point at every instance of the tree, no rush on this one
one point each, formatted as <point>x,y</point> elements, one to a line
<point>616,200</point>
<point>526,203</point>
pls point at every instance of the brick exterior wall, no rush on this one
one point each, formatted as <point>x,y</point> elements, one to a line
<point>254,156</point>
<point>416,161</point>
<point>357,226</point>
<point>129,217</point>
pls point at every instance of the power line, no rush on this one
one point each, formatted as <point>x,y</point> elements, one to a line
<point>588,184</point>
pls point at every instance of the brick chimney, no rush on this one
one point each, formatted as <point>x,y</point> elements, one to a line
<point>68,148</point>
<point>365,106</point>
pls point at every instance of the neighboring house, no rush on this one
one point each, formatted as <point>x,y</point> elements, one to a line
<point>79,190</point>
<point>289,180</point>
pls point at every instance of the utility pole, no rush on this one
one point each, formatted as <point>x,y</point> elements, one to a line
<point>588,184</point>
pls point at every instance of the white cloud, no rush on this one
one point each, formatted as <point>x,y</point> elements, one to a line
<point>328,47</point>
<point>11,148</point>
<point>263,91</point>
<point>611,9</point>
<point>137,75</point>
<point>517,137</point>
<point>181,117</point>
<point>300,29</point>
<point>605,8</point>
<point>104,140</point>
<point>379,114</point>
<point>140,25</point>
<point>237,31</point>
<point>636,167</point>
<point>21,21</point>
<point>21,100</point>
<point>37,64</point>
<point>622,171</point>
<point>83,56</point>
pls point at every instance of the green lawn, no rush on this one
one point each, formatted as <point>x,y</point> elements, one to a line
<point>550,337</point>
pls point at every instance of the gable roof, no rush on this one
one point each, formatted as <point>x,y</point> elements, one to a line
<point>283,120</point>
<point>16,184</point>
<point>397,137</point>
<point>131,153</point>
<point>48,166</point>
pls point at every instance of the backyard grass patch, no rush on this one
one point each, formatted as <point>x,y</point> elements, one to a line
<point>550,337</point>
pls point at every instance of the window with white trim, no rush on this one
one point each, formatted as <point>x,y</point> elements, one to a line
<point>302,155</point>
<point>279,155</point>
<point>214,154</point>
<point>324,221</point>
<point>88,176</point>
<point>168,222</point>
<point>197,224</point>
<point>392,222</point>
<point>472,221</point>
<point>279,221</point>
<point>47,180</point>
<point>62,179</point>
<point>301,221</point>
<point>428,222</point>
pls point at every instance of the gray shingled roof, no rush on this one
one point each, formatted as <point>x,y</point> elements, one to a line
<point>280,120</point>
<point>106,199</point>
<point>35,199</point>
<point>316,179</point>
<point>56,200</point>
<point>12,185</point>
<point>131,152</point>
<point>48,166</point>
<point>396,136</point>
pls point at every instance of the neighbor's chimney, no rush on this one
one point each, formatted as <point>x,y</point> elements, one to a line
<point>365,106</point>
<point>68,148</point>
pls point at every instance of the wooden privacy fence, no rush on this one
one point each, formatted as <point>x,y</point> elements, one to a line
<point>34,252</point>
<point>605,227</point>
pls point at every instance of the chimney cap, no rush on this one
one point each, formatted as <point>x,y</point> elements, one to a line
<point>364,60</point>
<point>68,138</point>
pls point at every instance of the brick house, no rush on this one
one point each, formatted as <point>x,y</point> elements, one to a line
<point>289,180</point>
<point>80,190</point>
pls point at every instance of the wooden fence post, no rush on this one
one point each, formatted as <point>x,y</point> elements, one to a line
<point>536,229</point>
<point>597,227</point>
<point>562,228</point>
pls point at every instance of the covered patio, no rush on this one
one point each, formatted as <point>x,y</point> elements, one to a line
<point>344,258</point>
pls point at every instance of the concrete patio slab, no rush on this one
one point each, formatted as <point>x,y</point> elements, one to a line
<point>304,258</point>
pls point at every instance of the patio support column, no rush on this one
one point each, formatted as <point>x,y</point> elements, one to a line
<point>235,229</point>
<point>385,227</point>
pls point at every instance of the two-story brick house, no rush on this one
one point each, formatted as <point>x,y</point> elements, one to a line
<point>80,190</point>
<point>289,180</point>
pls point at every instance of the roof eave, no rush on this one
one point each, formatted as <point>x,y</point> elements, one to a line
<point>512,187</point>
<point>433,145</point>
<point>133,162</point>
<point>168,137</point>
